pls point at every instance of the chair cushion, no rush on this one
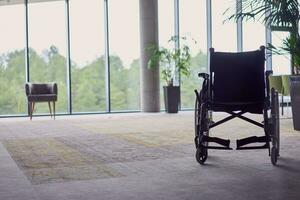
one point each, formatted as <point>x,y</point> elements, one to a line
<point>40,89</point>
<point>42,97</point>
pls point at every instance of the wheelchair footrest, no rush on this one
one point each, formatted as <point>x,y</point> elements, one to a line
<point>249,140</point>
<point>266,146</point>
<point>217,140</point>
<point>217,147</point>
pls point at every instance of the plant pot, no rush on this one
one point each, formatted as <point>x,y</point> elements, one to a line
<point>295,100</point>
<point>172,98</point>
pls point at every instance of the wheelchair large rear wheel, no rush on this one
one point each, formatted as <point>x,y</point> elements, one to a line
<point>275,129</point>
<point>197,116</point>
<point>203,130</point>
<point>197,112</point>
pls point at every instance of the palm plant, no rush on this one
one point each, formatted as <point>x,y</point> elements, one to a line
<point>283,14</point>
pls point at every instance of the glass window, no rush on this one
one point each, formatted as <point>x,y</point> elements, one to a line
<point>224,33</point>
<point>87,55</point>
<point>195,11</point>
<point>12,60</point>
<point>254,33</point>
<point>124,54</point>
<point>281,64</point>
<point>165,21</point>
<point>47,41</point>
<point>166,31</point>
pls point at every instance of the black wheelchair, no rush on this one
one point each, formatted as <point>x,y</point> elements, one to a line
<point>237,84</point>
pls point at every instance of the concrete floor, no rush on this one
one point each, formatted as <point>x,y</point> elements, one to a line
<point>227,174</point>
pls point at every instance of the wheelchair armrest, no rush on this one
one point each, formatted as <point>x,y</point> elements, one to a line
<point>52,88</point>
<point>205,76</point>
<point>205,83</point>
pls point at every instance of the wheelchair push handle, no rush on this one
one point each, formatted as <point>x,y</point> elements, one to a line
<point>205,76</point>
<point>269,73</point>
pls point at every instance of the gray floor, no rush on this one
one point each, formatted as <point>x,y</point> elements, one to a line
<point>227,174</point>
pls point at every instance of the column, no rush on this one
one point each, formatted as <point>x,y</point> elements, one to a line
<point>149,78</point>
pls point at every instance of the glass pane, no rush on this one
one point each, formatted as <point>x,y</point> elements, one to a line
<point>124,54</point>
<point>281,64</point>
<point>47,41</point>
<point>166,31</point>
<point>254,35</point>
<point>165,21</point>
<point>12,60</point>
<point>87,55</point>
<point>224,33</point>
<point>196,11</point>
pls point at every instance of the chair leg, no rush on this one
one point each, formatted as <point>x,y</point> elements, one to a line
<point>50,109</point>
<point>31,110</point>
<point>28,106</point>
<point>281,104</point>
<point>54,110</point>
<point>33,104</point>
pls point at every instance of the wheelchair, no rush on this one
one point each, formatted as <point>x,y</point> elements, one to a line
<point>237,84</point>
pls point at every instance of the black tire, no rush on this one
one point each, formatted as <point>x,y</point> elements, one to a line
<point>202,152</point>
<point>201,155</point>
<point>196,116</point>
<point>275,135</point>
<point>201,128</point>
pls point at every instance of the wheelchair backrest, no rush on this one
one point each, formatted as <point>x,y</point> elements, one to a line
<point>237,77</point>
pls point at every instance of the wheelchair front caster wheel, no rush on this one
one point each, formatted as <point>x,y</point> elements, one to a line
<point>274,155</point>
<point>201,155</point>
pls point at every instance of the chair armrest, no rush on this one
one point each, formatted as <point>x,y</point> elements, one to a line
<point>52,87</point>
<point>28,88</point>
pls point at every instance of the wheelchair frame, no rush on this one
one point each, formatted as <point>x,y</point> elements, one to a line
<point>203,124</point>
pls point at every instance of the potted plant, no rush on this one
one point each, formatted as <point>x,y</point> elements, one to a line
<point>173,62</point>
<point>282,15</point>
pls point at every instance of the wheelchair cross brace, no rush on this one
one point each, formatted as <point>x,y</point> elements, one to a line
<point>241,142</point>
<point>234,115</point>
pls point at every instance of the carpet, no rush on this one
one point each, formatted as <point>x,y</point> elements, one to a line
<point>48,160</point>
<point>69,158</point>
<point>110,148</point>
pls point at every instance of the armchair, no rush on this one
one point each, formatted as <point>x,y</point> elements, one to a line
<point>41,92</point>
